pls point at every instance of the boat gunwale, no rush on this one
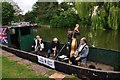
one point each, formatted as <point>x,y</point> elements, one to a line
<point>114,72</point>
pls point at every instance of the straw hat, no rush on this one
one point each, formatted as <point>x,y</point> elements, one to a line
<point>55,39</point>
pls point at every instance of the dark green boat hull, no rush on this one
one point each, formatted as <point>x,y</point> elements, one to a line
<point>98,55</point>
<point>67,68</point>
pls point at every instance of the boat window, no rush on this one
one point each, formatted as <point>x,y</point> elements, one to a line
<point>25,31</point>
<point>12,31</point>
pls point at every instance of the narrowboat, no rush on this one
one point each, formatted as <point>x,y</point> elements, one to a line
<point>19,40</point>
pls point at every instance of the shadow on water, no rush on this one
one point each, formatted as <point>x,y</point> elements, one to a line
<point>98,38</point>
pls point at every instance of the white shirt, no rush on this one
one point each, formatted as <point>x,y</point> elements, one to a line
<point>85,50</point>
<point>80,47</point>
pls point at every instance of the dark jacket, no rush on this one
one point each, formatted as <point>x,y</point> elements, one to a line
<point>76,33</point>
<point>69,38</point>
<point>53,45</point>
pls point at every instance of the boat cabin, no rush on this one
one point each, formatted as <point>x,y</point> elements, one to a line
<point>20,37</point>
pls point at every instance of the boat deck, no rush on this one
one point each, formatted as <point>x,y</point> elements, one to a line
<point>98,66</point>
<point>104,67</point>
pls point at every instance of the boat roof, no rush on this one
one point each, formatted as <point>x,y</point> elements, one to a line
<point>19,26</point>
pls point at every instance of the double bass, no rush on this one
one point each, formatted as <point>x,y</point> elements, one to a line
<point>73,45</point>
<point>74,41</point>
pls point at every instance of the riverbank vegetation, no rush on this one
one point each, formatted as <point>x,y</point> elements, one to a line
<point>10,12</point>
<point>94,15</point>
<point>11,69</point>
<point>99,15</point>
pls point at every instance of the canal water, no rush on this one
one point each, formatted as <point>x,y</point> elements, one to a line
<point>98,38</point>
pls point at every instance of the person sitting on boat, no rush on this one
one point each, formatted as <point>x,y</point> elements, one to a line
<point>69,40</point>
<point>81,53</point>
<point>38,44</point>
<point>53,48</point>
<point>76,31</point>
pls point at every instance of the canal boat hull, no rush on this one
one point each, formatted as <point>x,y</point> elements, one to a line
<point>65,67</point>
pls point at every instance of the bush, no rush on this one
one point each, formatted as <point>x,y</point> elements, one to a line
<point>65,19</point>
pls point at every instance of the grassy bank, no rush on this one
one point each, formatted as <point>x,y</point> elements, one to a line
<point>11,69</point>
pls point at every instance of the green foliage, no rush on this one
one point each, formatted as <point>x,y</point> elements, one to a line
<point>95,22</point>
<point>84,12</point>
<point>10,12</point>
<point>57,15</point>
<point>29,16</point>
<point>7,13</point>
<point>102,18</point>
<point>68,14</point>
<point>82,9</point>
<point>106,15</point>
<point>18,18</point>
<point>113,18</point>
<point>109,16</point>
<point>65,19</point>
<point>66,5</point>
<point>44,11</point>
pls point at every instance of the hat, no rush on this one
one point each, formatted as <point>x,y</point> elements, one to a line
<point>55,39</point>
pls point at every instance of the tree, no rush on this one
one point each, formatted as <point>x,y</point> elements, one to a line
<point>17,9</point>
<point>113,18</point>
<point>44,11</point>
<point>29,16</point>
<point>53,13</point>
<point>65,19</point>
<point>106,14</point>
<point>18,18</point>
<point>7,13</point>
<point>84,12</point>
<point>109,15</point>
<point>66,5</point>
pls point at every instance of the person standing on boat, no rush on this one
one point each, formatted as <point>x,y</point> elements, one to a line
<point>54,47</point>
<point>81,53</point>
<point>69,40</point>
<point>38,44</point>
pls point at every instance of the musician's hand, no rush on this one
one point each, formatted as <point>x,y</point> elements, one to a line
<point>77,58</point>
<point>32,46</point>
<point>54,49</point>
<point>70,62</point>
<point>67,48</point>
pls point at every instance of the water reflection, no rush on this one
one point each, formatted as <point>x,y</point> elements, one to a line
<point>98,38</point>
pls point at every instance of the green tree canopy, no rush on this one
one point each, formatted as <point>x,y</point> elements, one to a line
<point>29,16</point>
<point>84,12</point>
<point>105,17</point>
<point>65,19</point>
<point>44,11</point>
<point>7,12</point>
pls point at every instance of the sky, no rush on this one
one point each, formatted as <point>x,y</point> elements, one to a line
<point>26,5</point>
